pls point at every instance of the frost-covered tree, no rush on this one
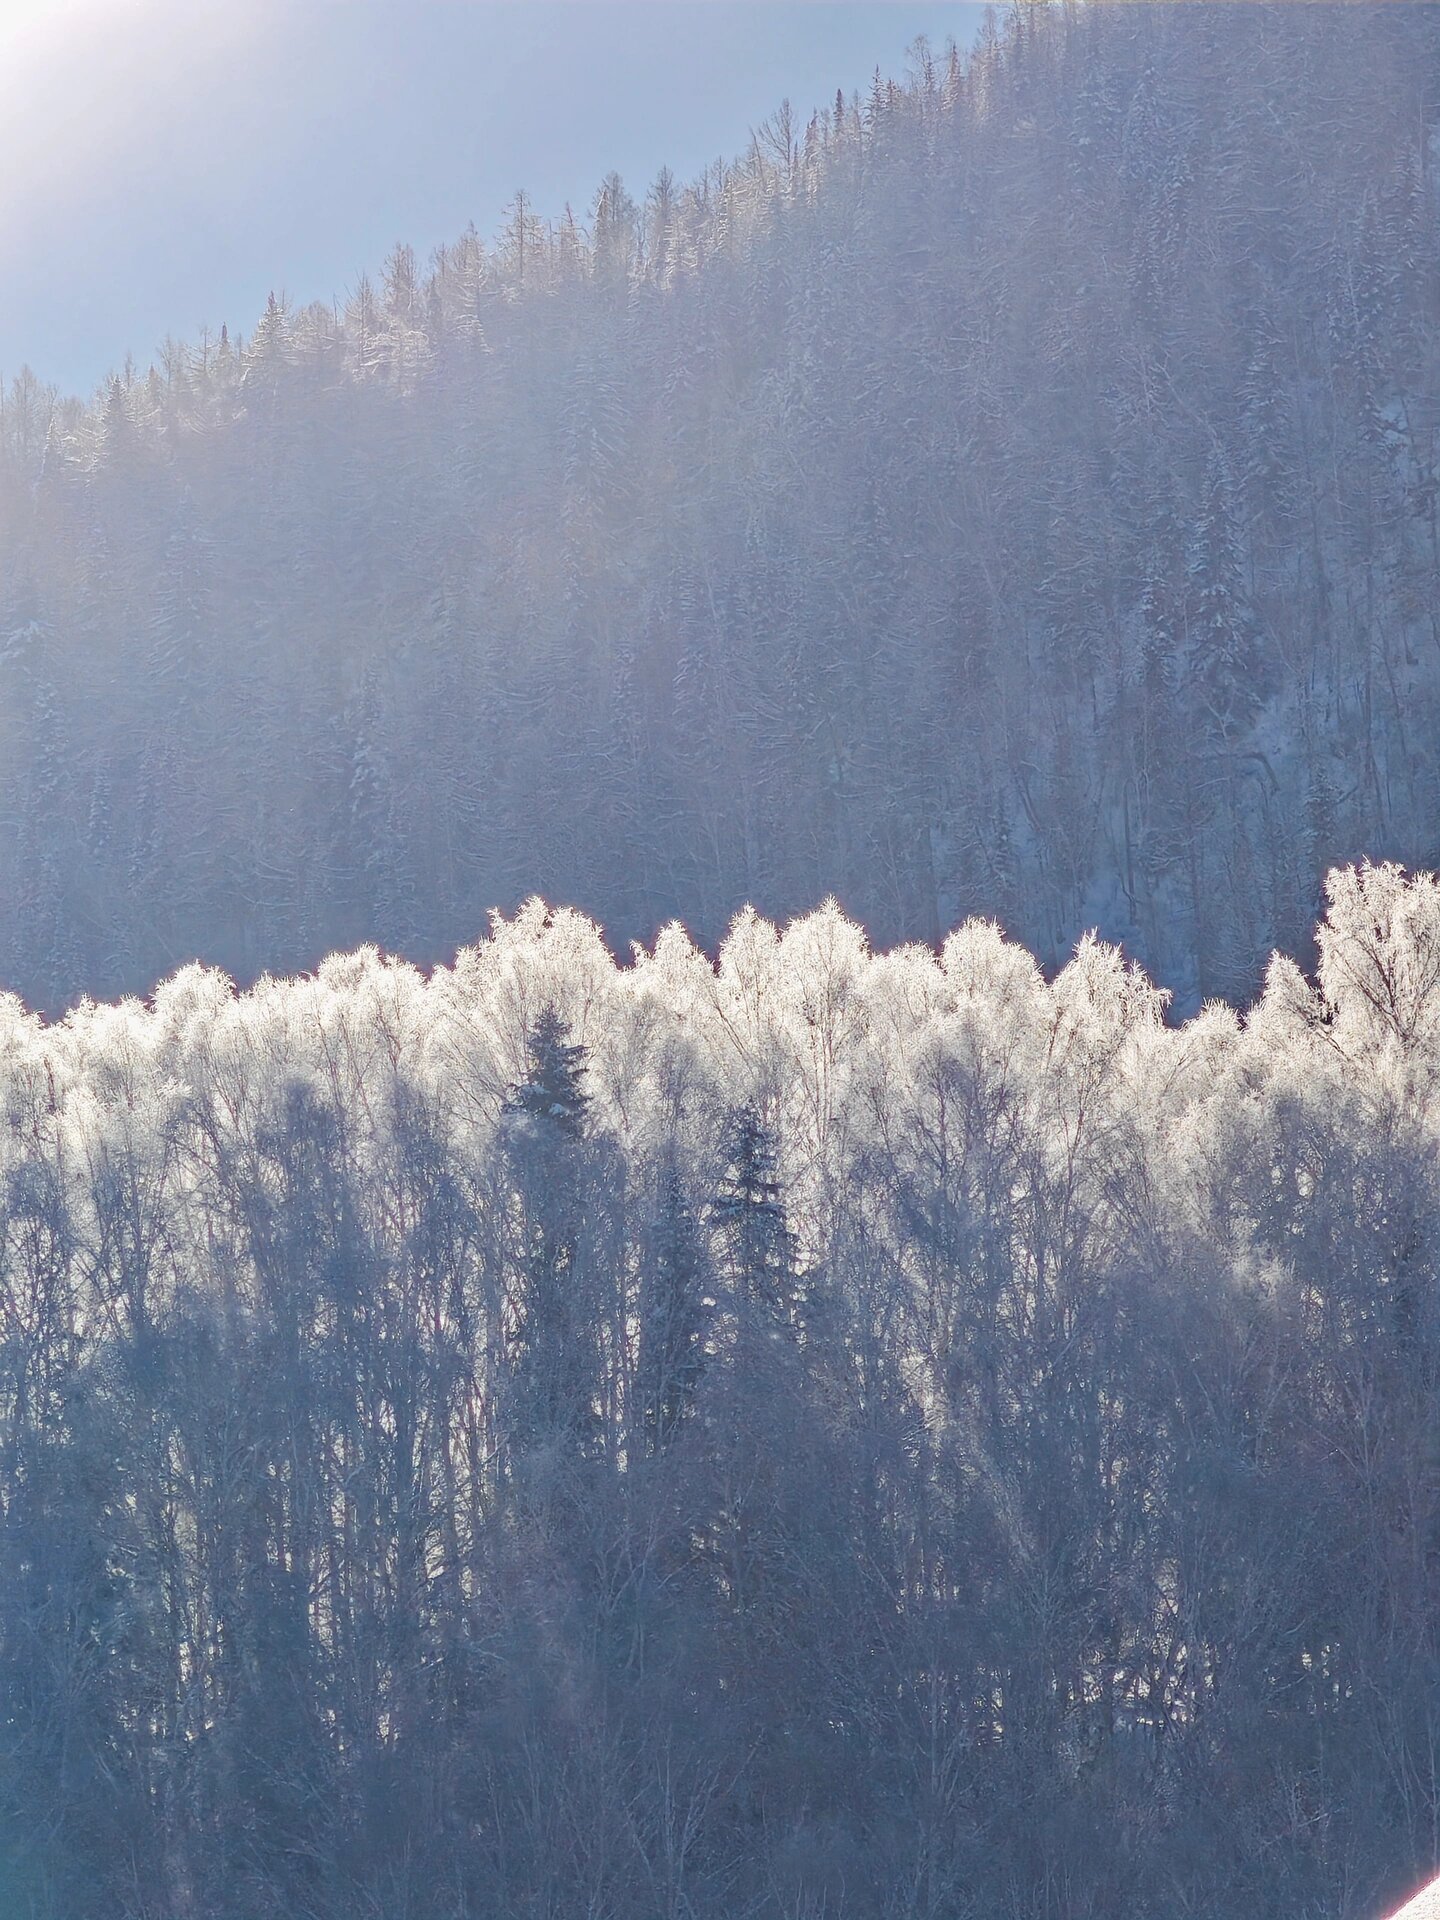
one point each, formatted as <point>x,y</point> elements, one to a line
<point>793,535</point>
<point>386,1429</point>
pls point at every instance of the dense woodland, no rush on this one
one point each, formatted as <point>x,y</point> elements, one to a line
<point>1008,491</point>
<point>818,1434</point>
<point>799,1425</point>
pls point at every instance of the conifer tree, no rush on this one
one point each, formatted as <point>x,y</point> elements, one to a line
<point>554,1321</point>
<point>675,1313</point>
<point>749,1215</point>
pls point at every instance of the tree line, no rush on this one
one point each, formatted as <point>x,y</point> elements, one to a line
<point>1010,489</point>
<point>814,1432</point>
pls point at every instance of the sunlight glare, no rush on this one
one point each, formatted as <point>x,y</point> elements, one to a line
<point>87,82</point>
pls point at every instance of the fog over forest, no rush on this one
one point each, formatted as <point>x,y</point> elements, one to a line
<point>915,1395</point>
<point>1011,492</point>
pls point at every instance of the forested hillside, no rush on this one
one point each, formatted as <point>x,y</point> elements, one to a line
<point>824,1421</point>
<point>823,1434</point>
<point>1012,490</point>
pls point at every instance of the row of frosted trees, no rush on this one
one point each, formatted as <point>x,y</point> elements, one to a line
<point>1012,491</point>
<point>820,1433</point>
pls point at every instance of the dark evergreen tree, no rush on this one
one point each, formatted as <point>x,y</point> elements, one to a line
<point>554,1309</point>
<point>676,1314</point>
<point>757,1246</point>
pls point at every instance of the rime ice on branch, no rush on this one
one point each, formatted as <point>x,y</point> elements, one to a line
<point>818,1416</point>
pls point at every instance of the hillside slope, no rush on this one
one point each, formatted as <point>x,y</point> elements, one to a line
<point>1014,491</point>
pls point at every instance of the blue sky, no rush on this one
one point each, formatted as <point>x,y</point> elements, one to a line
<point>165,163</point>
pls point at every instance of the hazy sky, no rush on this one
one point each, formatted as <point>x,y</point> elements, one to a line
<point>165,163</point>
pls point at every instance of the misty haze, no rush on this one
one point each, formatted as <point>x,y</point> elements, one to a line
<point>719,970</point>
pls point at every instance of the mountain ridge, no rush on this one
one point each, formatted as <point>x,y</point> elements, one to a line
<point>1012,492</point>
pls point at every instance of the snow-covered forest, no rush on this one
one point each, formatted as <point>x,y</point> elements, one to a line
<point>829,1418</point>
<point>1010,491</point>
<point>822,1432</point>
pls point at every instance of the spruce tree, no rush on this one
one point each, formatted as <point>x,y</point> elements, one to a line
<point>750,1217</point>
<point>675,1313</point>
<point>545,1129</point>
